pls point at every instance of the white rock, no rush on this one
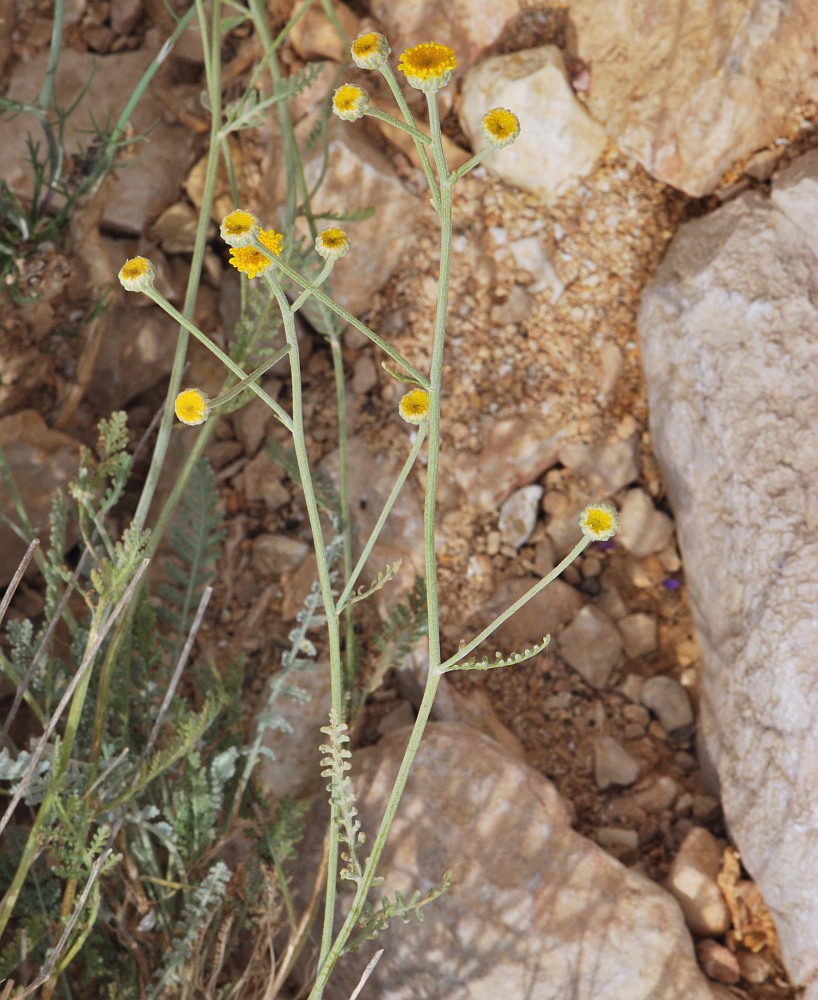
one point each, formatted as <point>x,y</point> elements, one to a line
<point>605,467</point>
<point>643,530</point>
<point>534,910</point>
<point>558,142</point>
<point>277,554</point>
<point>591,645</point>
<point>639,634</point>
<point>613,765</point>
<point>668,701</point>
<point>518,515</point>
<point>692,880</point>
<point>729,331</point>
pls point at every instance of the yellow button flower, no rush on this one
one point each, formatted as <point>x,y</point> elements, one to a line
<point>332,243</point>
<point>370,51</point>
<point>192,407</point>
<point>414,406</point>
<point>428,66</point>
<point>500,127</point>
<point>137,274</point>
<point>599,521</point>
<point>252,262</point>
<point>239,228</point>
<point>350,102</point>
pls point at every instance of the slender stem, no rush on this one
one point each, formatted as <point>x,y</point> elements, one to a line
<point>470,164</point>
<point>322,277</point>
<point>532,592</point>
<point>254,376</point>
<point>387,507</point>
<point>333,634</point>
<point>348,318</point>
<point>384,116</point>
<point>225,359</point>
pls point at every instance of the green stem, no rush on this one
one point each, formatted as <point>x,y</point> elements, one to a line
<point>470,164</point>
<point>347,317</point>
<point>352,577</point>
<point>384,116</point>
<point>333,634</point>
<point>213,70</point>
<point>225,359</point>
<point>532,592</point>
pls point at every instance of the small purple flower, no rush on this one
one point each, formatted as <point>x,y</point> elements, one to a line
<point>606,546</point>
<point>671,583</point>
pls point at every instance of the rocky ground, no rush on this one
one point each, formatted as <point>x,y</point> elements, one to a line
<point>545,408</point>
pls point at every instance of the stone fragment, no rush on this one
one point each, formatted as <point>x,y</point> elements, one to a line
<point>314,37</point>
<point>613,765</point>
<point>718,962</point>
<point>277,554</point>
<point>544,614</point>
<point>754,968</point>
<point>558,142</point>
<point>692,880</point>
<point>261,480</point>
<point>364,375</point>
<point>724,79</point>
<point>152,178</point>
<point>41,461</point>
<point>531,255</point>
<point>399,718</point>
<point>470,28</point>
<point>125,15</point>
<point>658,796</point>
<point>617,840</point>
<point>643,530</point>
<point>518,515</point>
<point>357,176</point>
<point>639,634</point>
<point>252,423</point>
<point>729,332</point>
<point>531,899</point>
<point>591,645</point>
<point>668,701</point>
<point>515,452</point>
<point>604,467</point>
<point>175,229</point>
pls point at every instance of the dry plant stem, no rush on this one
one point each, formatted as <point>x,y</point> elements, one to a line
<point>18,576</point>
<point>78,686</point>
<point>532,592</point>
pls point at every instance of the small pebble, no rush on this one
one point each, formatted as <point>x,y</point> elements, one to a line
<point>669,701</point>
<point>591,645</point>
<point>276,554</point>
<point>639,634</point>
<point>658,797</point>
<point>643,530</point>
<point>718,962</point>
<point>755,969</point>
<point>613,765</point>
<point>616,840</point>
<point>692,880</point>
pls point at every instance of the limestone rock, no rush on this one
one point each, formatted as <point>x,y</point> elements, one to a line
<point>534,909</point>
<point>723,79</point>
<point>470,27</point>
<point>41,461</point>
<point>669,702</point>
<point>276,554</point>
<point>613,765</point>
<point>558,142</point>
<point>591,645</point>
<point>643,530</point>
<point>692,880</point>
<point>605,467</point>
<point>639,634</point>
<point>518,515</point>
<point>729,331</point>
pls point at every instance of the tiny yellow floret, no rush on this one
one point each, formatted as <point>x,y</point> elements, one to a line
<point>350,102</point>
<point>332,243</point>
<point>370,51</point>
<point>414,406</point>
<point>137,274</point>
<point>239,228</point>
<point>192,407</point>
<point>599,521</point>
<point>428,66</point>
<point>500,127</point>
<point>251,261</point>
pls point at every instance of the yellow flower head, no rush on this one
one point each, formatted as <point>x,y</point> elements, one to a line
<point>137,274</point>
<point>192,407</point>
<point>240,228</point>
<point>332,243</point>
<point>428,66</point>
<point>350,102</point>
<point>414,406</point>
<point>500,127</point>
<point>370,51</point>
<point>599,521</point>
<point>252,262</point>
